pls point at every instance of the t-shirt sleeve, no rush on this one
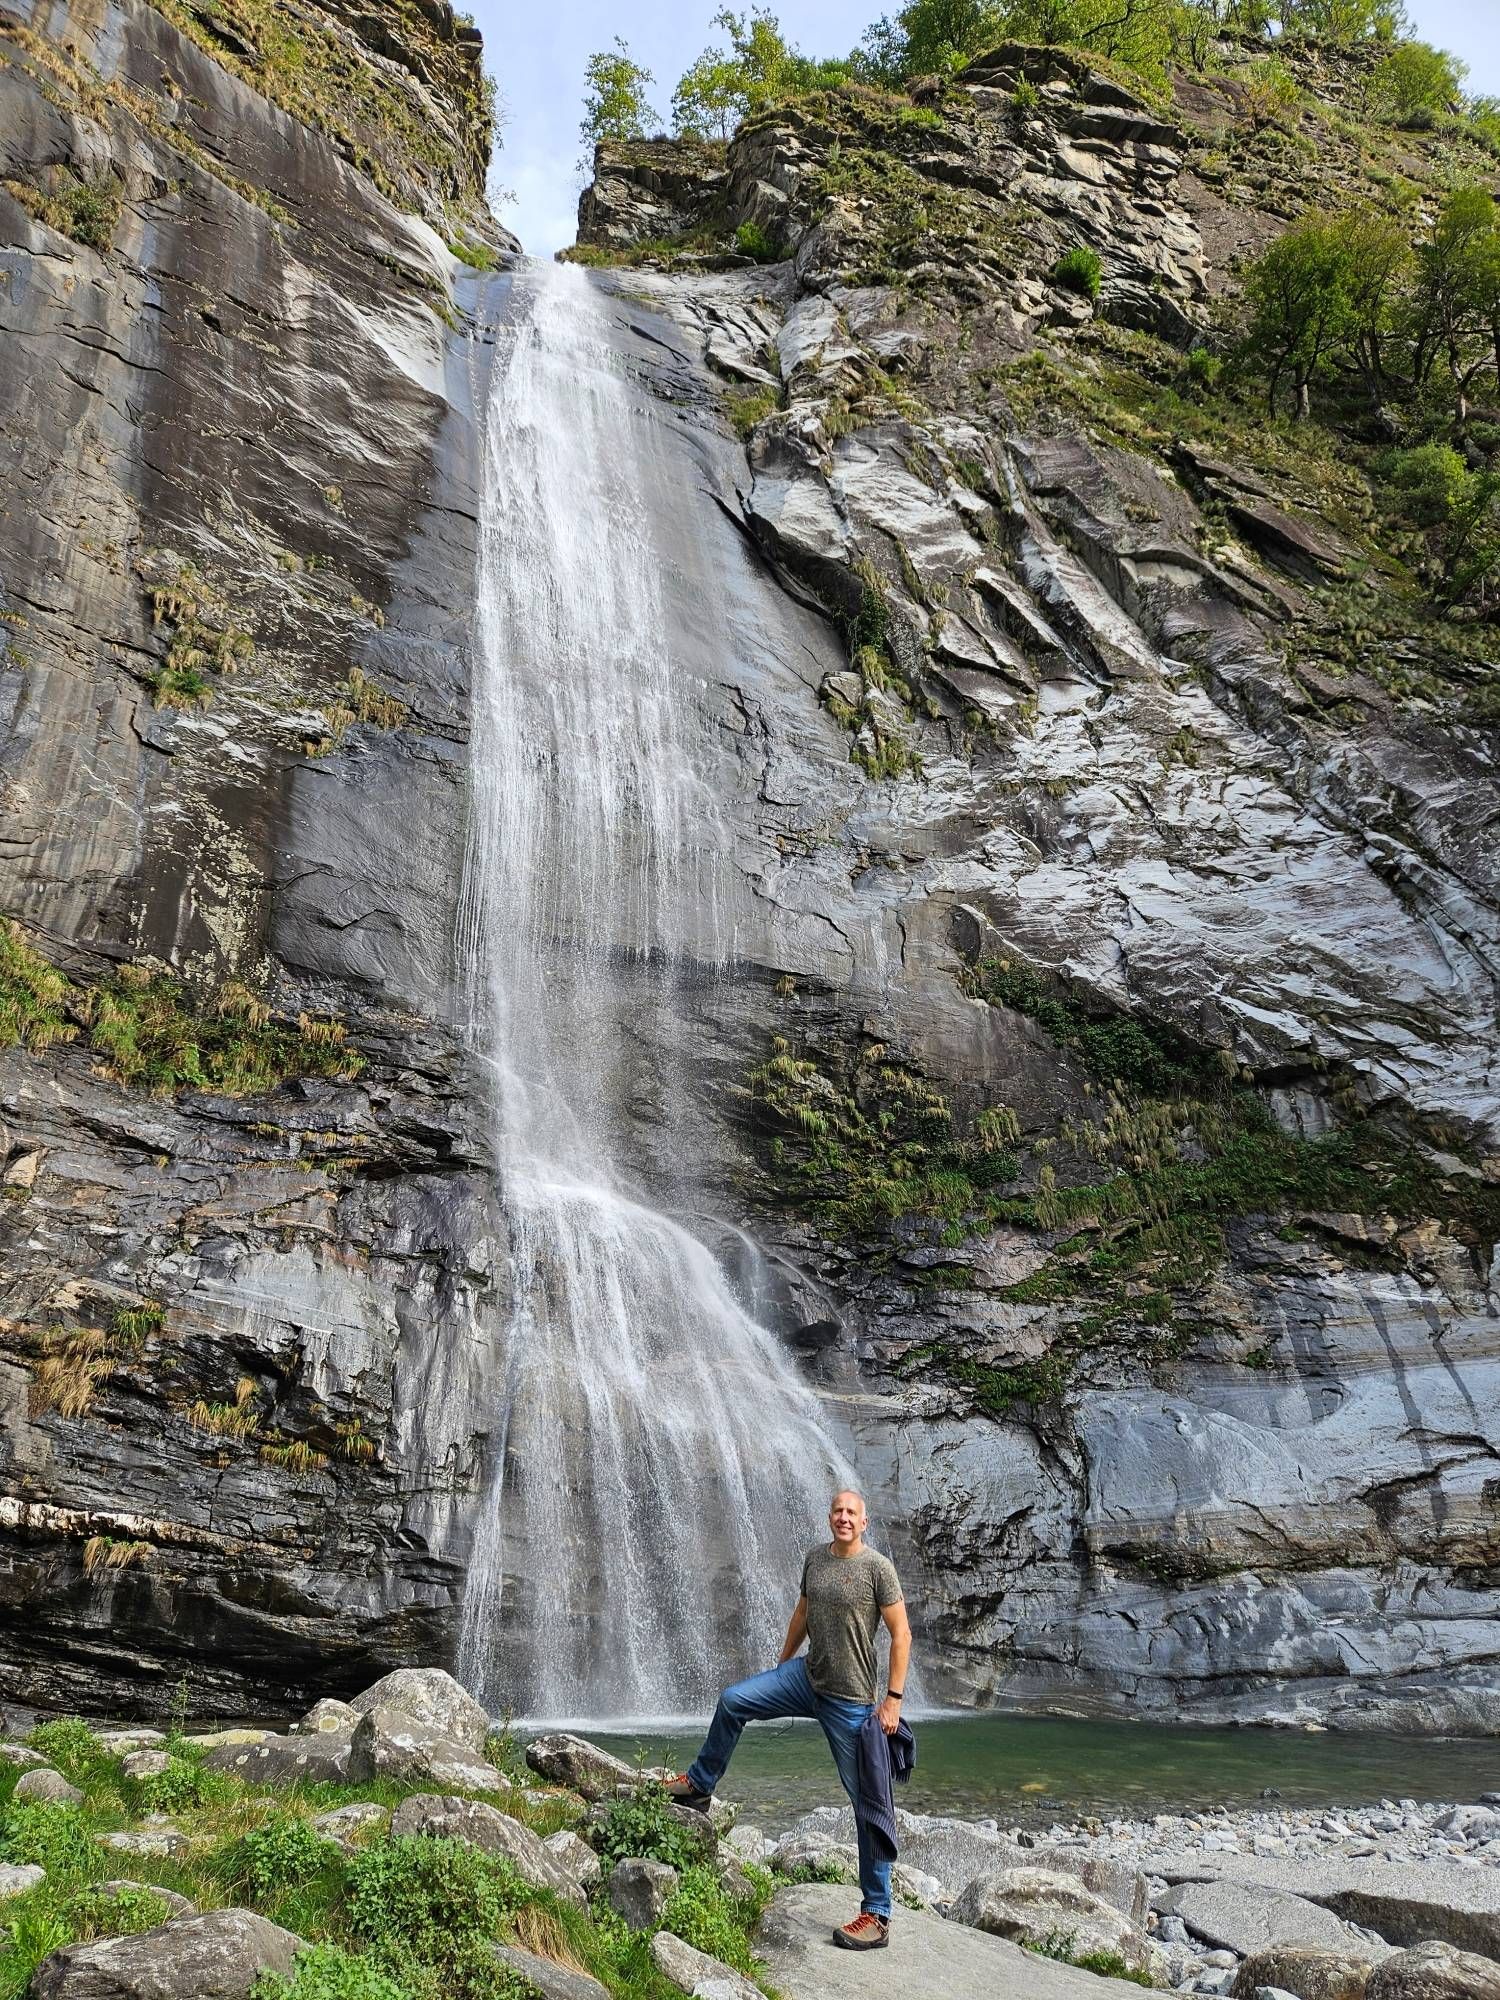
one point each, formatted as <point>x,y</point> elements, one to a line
<point>887,1585</point>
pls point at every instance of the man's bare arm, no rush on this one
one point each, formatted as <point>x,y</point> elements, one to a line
<point>796,1632</point>
<point>899,1627</point>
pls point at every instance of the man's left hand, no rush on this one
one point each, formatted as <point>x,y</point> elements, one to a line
<point>889,1715</point>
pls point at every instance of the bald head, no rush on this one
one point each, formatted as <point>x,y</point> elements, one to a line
<point>847,1520</point>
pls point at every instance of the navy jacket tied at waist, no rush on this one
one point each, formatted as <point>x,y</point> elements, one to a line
<point>882,1758</point>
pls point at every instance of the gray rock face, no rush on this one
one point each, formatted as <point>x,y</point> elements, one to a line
<point>551,1981</point>
<point>496,1832</point>
<point>1310,1971</point>
<point>1029,1905</point>
<point>926,1955</point>
<point>389,1744</point>
<point>49,1785</point>
<point>694,1972</point>
<point>428,1695</point>
<point>1246,1918</point>
<point>327,1716</point>
<point>639,1890</point>
<point>1435,1972</point>
<point>216,1956</point>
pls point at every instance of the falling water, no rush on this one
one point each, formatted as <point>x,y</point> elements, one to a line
<point>659,1467</point>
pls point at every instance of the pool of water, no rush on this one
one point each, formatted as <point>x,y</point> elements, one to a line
<point>1036,1769</point>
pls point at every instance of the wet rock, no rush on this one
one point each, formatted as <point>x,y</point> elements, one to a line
<point>48,1785</point>
<point>216,1956</point>
<point>692,1971</point>
<point>550,1980</point>
<point>495,1832</point>
<point>1435,1971</point>
<point>427,1695</point>
<point>639,1890</point>
<point>1311,1972</point>
<point>1032,1904</point>
<point>389,1744</point>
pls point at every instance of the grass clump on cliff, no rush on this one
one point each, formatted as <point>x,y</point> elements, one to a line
<point>33,995</point>
<point>86,208</point>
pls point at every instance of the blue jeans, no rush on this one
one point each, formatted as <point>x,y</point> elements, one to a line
<point>787,1690</point>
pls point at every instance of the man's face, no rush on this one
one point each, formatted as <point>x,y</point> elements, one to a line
<point>846,1517</point>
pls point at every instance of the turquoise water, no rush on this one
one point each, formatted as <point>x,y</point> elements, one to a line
<point>1034,1769</point>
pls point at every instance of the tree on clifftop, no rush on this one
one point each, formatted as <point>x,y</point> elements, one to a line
<point>614,99</point>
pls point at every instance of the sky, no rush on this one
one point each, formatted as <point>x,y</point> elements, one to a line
<point>537,51</point>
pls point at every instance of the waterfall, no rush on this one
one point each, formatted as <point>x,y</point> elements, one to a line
<point>658,1468</point>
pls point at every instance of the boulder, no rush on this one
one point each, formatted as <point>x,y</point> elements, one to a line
<point>345,1826</point>
<point>48,1785</point>
<point>286,1760</point>
<point>17,1877</point>
<point>749,1843</point>
<point>118,1741</point>
<point>800,1851</point>
<point>547,1978</point>
<point>639,1890</point>
<point>428,1695</point>
<point>574,1854</point>
<point>1435,1971</point>
<point>147,1843</point>
<point>392,1744</point>
<point>19,1757</point>
<point>927,1958</point>
<point>580,1765</point>
<point>692,1971</point>
<point>216,1956</point>
<point>1030,1905</point>
<point>329,1714</point>
<point>140,1764</point>
<point>482,1826</point>
<point>1311,1971</point>
<point>216,1739</point>
<point>1241,1916</point>
<point>1471,1823</point>
<point>733,1879</point>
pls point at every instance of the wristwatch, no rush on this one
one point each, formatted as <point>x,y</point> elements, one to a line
<point>894,1694</point>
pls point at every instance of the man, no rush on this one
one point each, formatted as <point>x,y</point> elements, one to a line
<point>847,1591</point>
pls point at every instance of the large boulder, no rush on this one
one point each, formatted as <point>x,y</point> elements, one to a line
<point>551,1980</point>
<point>1311,1971</point>
<point>482,1826</point>
<point>640,1890</point>
<point>389,1743</point>
<point>50,1786</point>
<point>328,1715</point>
<point>1435,1971</point>
<point>580,1765</point>
<point>216,1956</point>
<point>927,1958</point>
<point>428,1695</point>
<point>1243,1917</point>
<point>287,1760</point>
<point>1033,1905</point>
<point>692,1971</point>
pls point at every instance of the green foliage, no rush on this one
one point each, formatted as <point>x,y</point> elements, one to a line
<point>1436,490</point>
<point>1203,368</point>
<point>284,1853</point>
<point>432,1907</point>
<point>151,1034</point>
<point>33,997</point>
<point>181,1785</point>
<point>325,1972</point>
<point>114,1913</point>
<point>88,210</point>
<point>1139,1055</point>
<point>614,100</point>
<point>54,1837</point>
<point>758,69</point>
<point>1415,85</point>
<point>705,1917</point>
<point>70,1746</point>
<point>754,241</point>
<point>478,256</point>
<point>1079,270</point>
<point>643,1823</point>
<point>1059,1945</point>
<point>748,408</point>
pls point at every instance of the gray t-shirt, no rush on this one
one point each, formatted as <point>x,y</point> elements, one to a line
<point>845,1597</point>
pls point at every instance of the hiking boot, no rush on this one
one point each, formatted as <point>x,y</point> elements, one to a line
<point>684,1793</point>
<point>866,1932</point>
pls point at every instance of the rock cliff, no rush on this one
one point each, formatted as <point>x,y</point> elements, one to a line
<point>1117,1098</point>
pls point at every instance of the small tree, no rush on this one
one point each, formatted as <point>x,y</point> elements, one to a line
<point>1301,296</point>
<point>1455,307</point>
<point>931,37</point>
<point>614,99</point>
<point>1415,85</point>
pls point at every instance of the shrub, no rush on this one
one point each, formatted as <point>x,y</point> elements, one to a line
<point>181,1785</point>
<point>1415,85</point>
<point>54,1837</point>
<point>116,1913</point>
<point>1203,368</point>
<point>324,1972</point>
<point>71,1747</point>
<point>283,1854</point>
<point>1079,270</point>
<point>642,1823</point>
<point>434,1905</point>
<point>753,241</point>
<point>1025,98</point>
<point>705,1917</point>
